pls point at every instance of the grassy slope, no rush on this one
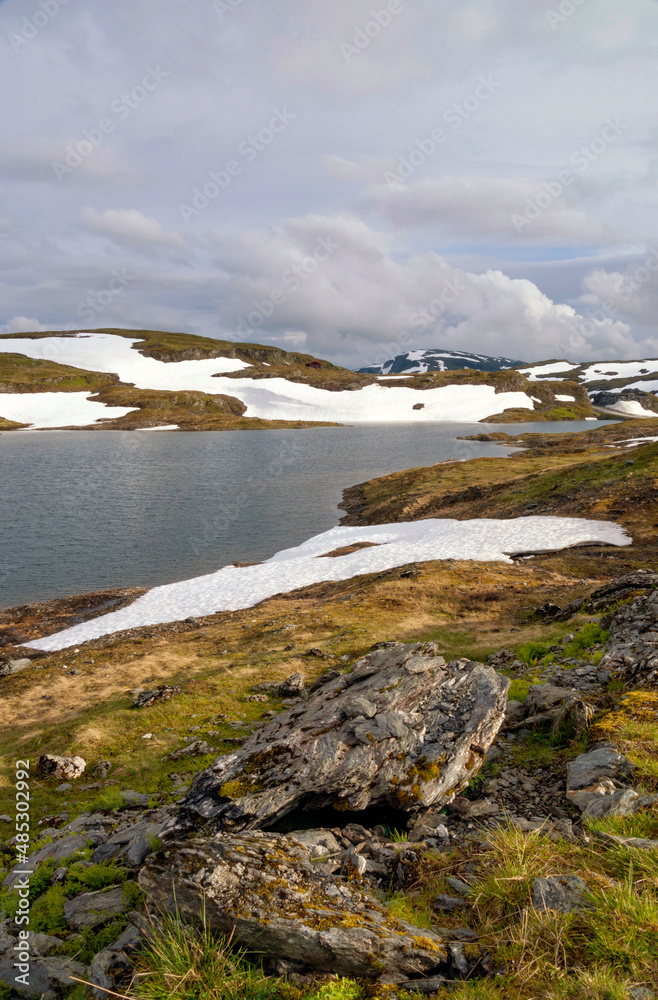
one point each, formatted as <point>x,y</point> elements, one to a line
<point>198,411</point>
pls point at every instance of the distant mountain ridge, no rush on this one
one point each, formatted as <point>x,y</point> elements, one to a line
<point>439,360</point>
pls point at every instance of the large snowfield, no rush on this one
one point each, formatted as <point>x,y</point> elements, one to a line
<point>56,409</point>
<point>271,399</point>
<point>233,588</point>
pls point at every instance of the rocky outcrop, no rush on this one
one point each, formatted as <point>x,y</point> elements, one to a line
<point>597,784</point>
<point>633,642</point>
<point>403,728</point>
<point>265,890</point>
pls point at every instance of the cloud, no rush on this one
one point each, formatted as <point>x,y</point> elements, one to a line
<point>631,294</point>
<point>371,168</point>
<point>349,48</point>
<point>22,324</point>
<point>130,226</point>
<point>365,298</point>
<point>484,206</point>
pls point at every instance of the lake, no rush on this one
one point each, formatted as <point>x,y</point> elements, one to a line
<point>87,510</point>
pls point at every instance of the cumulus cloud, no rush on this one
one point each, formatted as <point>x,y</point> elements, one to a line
<point>131,226</point>
<point>631,294</point>
<point>484,206</point>
<point>362,299</point>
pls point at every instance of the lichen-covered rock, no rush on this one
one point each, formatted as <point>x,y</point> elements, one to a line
<point>423,732</point>
<point>144,699</point>
<point>51,766</point>
<point>265,889</point>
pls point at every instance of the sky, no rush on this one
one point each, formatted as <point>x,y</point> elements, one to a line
<point>352,179</point>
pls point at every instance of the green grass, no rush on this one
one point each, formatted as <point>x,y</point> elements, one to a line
<point>192,963</point>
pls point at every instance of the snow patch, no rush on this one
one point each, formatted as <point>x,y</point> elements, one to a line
<point>632,408</point>
<point>56,409</point>
<point>533,374</point>
<point>233,588</point>
<point>565,399</point>
<point>273,399</point>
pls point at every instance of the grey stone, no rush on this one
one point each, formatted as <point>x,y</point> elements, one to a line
<point>514,713</point>
<point>641,993</point>
<point>458,886</point>
<point>138,850</point>
<point>143,699</point>
<point>14,666</point>
<point>6,819</point>
<point>265,890</point>
<point>424,985</point>
<point>360,706</point>
<point>564,893</point>
<point>57,850</point>
<point>197,748</point>
<point>63,768</point>
<point>410,755</point>
<point>44,944</point>
<point>47,976</point>
<point>621,802</point>
<point>641,843</point>
<point>102,769</point>
<point>135,799</point>
<point>105,853</point>
<point>292,687</point>
<point>317,842</point>
<point>94,908</point>
<point>448,904</point>
<point>589,768</point>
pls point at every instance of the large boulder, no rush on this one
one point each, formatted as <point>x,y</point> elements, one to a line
<point>267,892</point>
<point>403,728</point>
<point>49,765</point>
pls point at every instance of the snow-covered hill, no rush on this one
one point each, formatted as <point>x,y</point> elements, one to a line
<point>625,387</point>
<point>438,360</point>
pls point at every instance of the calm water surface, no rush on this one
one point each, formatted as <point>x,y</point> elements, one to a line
<point>85,510</point>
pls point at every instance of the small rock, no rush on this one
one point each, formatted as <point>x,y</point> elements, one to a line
<point>292,687</point>
<point>5,819</point>
<point>102,769</point>
<point>52,766</point>
<point>64,787</point>
<point>514,713</point>
<point>195,749</point>
<point>257,697</point>
<point>448,904</point>
<point>641,993</point>
<point>94,908</point>
<point>14,666</point>
<point>146,698</point>
<point>132,800</point>
<point>461,887</point>
<point>564,893</point>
